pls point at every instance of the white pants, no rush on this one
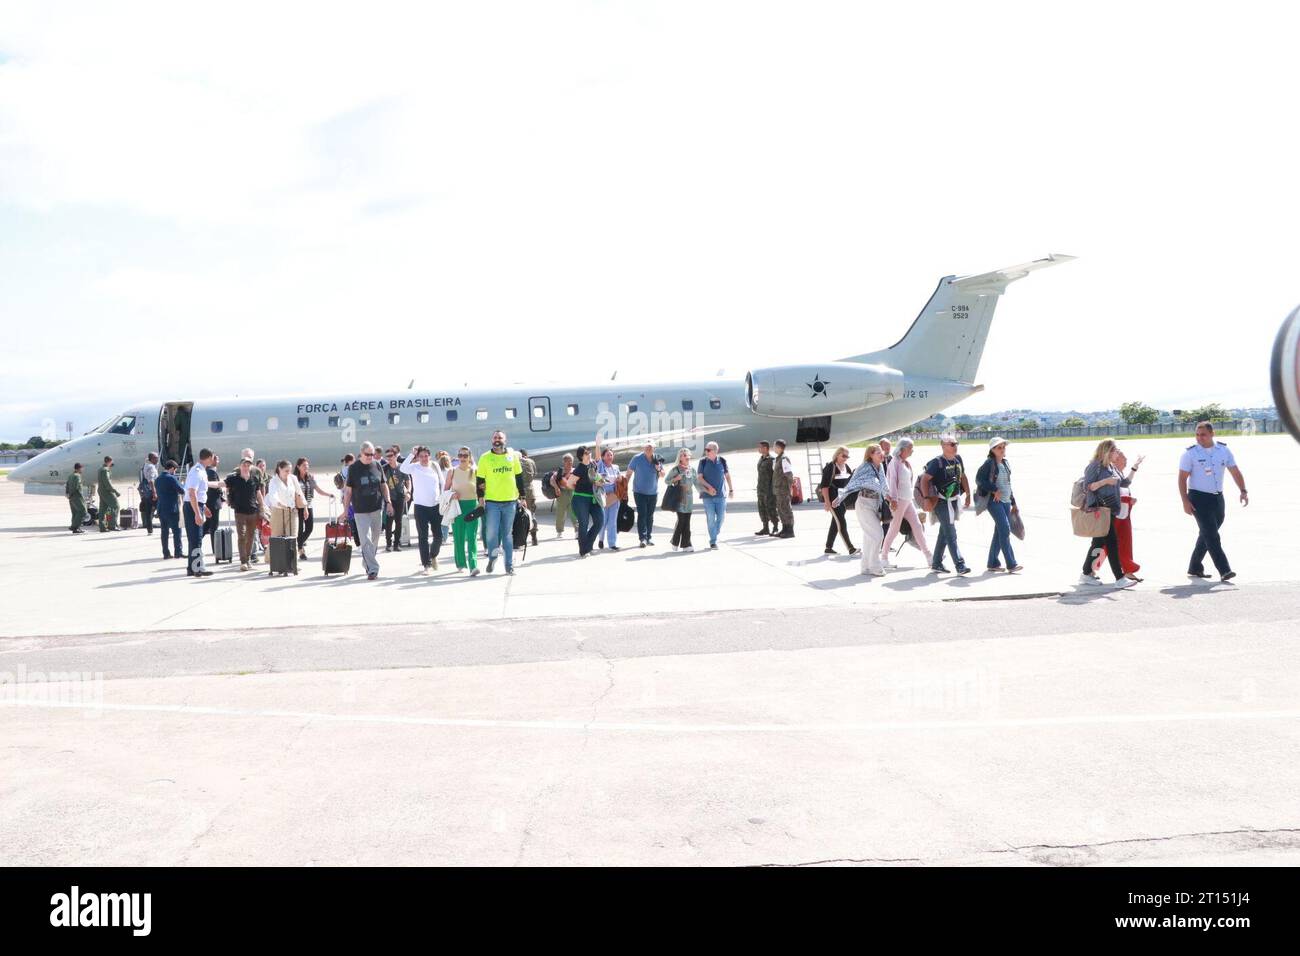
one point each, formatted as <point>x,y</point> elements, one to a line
<point>868,511</point>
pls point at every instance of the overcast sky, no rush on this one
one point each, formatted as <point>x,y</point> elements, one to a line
<point>200,200</point>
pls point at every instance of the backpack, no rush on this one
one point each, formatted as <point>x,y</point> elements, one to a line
<point>143,486</point>
<point>626,517</point>
<point>548,486</point>
<point>522,526</point>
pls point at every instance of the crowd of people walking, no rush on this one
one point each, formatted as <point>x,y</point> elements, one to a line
<point>491,500</point>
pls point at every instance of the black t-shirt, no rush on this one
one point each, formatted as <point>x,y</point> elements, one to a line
<point>214,490</point>
<point>243,493</point>
<point>583,487</point>
<point>366,482</point>
<point>396,481</point>
<point>945,476</point>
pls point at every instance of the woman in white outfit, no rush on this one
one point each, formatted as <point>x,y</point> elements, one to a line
<point>898,489</point>
<point>869,482</point>
<point>284,497</point>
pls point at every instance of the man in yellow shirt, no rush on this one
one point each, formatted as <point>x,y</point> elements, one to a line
<point>500,486</point>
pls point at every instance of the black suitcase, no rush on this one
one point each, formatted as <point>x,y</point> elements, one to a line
<point>336,558</point>
<point>284,555</point>
<point>126,518</point>
<point>222,546</point>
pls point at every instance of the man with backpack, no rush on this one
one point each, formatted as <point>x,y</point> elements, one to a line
<point>945,479</point>
<point>530,496</point>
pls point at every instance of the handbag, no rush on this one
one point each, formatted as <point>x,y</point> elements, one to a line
<point>672,498</point>
<point>886,514</point>
<point>1017,525</point>
<point>1090,523</point>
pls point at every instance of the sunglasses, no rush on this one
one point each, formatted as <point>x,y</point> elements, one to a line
<point>462,456</point>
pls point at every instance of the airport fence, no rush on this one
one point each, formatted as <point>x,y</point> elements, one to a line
<point>1239,426</point>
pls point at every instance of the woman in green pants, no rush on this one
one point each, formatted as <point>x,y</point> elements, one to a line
<point>462,481</point>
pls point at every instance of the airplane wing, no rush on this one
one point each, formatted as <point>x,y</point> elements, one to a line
<point>677,436</point>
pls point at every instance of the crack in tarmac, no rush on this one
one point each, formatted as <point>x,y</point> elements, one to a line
<point>1026,850</point>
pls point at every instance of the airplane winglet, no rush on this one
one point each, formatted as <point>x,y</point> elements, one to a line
<point>998,280</point>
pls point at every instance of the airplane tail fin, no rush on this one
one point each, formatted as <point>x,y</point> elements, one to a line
<point>946,340</point>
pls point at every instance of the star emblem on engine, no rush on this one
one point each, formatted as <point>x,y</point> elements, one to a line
<point>817,386</point>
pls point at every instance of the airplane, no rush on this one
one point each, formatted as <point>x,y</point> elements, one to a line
<point>932,367</point>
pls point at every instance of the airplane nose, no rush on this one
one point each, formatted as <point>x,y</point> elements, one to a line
<point>33,468</point>
<point>23,472</point>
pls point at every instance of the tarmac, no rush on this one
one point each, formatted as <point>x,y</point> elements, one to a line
<point>762,704</point>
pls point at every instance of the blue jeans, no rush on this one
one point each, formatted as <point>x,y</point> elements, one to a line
<point>947,536</point>
<point>715,509</point>
<point>170,523</point>
<point>645,514</point>
<point>499,527</point>
<point>589,518</point>
<point>611,524</point>
<point>194,538</point>
<point>1000,512</point>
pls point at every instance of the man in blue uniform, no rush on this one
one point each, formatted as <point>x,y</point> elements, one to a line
<point>1200,483</point>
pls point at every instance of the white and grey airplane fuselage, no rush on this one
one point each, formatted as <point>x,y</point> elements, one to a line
<point>836,402</point>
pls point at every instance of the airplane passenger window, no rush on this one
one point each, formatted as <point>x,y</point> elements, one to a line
<point>304,421</point>
<point>539,411</point>
<point>394,418</point>
<point>511,412</point>
<point>687,404</point>
<point>571,409</point>
<point>216,428</point>
<point>334,421</point>
<point>481,414</point>
<point>123,426</point>
<point>241,425</point>
<point>631,407</point>
<point>272,424</point>
<point>715,403</point>
<point>364,421</point>
<point>422,417</point>
<point>451,415</point>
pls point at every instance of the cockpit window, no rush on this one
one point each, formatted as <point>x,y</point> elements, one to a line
<point>124,425</point>
<point>102,427</point>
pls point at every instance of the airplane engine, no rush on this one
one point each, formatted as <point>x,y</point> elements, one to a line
<point>832,388</point>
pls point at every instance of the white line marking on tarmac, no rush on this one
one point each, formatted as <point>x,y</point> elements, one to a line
<point>617,726</point>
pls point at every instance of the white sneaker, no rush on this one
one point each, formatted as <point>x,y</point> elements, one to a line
<point>877,574</point>
<point>423,572</point>
<point>1089,579</point>
<point>688,548</point>
<point>674,547</point>
<point>1124,583</point>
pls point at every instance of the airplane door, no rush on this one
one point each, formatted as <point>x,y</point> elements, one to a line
<point>539,414</point>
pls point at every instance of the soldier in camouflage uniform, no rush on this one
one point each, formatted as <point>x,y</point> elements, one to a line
<point>530,496</point>
<point>766,502</point>
<point>76,498</point>
<point>108,507</point>
<point>781,483</point>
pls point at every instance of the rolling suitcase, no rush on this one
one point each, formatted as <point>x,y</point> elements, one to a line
<point>283,553</point>
<point>128,517</point>
<point>222,546</point>
<point>796,491</point>
<point>336,557</point>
